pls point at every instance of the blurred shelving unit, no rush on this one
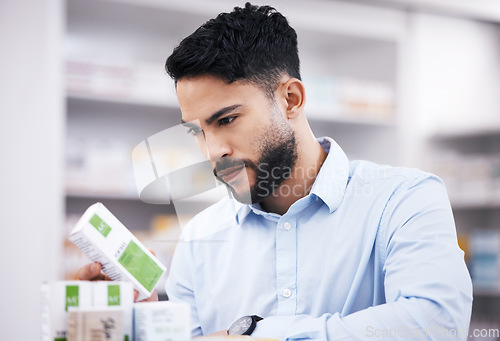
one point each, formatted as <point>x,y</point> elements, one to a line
<point>469,163</point>
<point>379,80</point>
<point>117,93</point>
<point>454,118</point>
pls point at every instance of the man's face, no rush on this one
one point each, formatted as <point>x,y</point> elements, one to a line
<point>241,132</point>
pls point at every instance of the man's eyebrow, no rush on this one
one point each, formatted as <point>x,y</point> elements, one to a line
<point>221,112</point>
<point>214,116</point>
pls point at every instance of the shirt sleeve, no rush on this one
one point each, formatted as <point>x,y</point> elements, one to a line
<point>427,286</point>
<point>179,284</point>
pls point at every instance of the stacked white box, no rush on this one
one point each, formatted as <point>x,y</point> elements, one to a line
<point>116,294</point>
<point>159,321</point>
<point>96,324</point>
<point>57,297</point>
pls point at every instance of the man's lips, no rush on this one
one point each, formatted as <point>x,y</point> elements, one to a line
<point>230,173</point>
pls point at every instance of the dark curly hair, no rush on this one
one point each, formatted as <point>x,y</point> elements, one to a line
<point>254,44</point>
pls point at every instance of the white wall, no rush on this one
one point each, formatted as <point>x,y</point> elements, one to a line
<point>31,154</point>
<point>451,79</point>
<point>455,73</point>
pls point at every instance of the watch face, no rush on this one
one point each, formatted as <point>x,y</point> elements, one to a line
<point>241,326</point>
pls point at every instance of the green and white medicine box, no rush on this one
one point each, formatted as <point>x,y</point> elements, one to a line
<point>104,239</point>
<point>159,321</point>
<point>57,298</point>
<point>116,294</point>
<point>96,324</point>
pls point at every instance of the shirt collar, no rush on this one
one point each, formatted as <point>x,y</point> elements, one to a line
<point>329,185</point>
<point>331,181</point>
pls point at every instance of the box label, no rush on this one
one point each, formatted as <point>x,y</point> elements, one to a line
<point>113,295</point>
<point>71,296</point>
<point>100,225</point>
<point>140,265</point>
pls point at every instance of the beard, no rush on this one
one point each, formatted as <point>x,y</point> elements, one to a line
<point>278,154</point>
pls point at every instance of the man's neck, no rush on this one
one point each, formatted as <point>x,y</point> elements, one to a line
<point>299,184</point>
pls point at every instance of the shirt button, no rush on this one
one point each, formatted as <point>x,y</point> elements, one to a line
<point>287,226</point>
<point>287,293</point>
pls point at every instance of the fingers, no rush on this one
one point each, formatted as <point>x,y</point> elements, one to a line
<point>152,298</point>
<point>152,251</point>
<point>220,333</point>
<point>92,272</point>
<point>89,271</point>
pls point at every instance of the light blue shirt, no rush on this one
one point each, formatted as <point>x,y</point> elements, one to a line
<point>370,254</point>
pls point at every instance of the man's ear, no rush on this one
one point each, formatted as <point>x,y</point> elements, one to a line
<point>295,95</point>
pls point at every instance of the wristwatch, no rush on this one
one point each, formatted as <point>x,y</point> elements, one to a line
<point>244,325</point>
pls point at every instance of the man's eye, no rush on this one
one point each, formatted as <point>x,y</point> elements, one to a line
<point>226,120</point>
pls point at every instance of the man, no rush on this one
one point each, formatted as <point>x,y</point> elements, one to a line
<point>316,247</point>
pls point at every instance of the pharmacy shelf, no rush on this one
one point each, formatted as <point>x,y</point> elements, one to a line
<point>339,17</point>
<point>487,292</point>
<point>466,204</point>
<point>353,119</point>
<point>340,117</point>
<point>101,195</point>
<point>134,197</point>
<point>469,158</point>
<point>453,135</point>
<point>159,103</point>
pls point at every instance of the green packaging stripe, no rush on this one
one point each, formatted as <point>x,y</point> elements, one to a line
<point>71,296</point>
<point>60,339</point>
<point>100,225</point>
<point>140,265</point>
<point>113,295</point>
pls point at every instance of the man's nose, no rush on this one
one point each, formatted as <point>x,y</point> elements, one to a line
<point>215,148</point>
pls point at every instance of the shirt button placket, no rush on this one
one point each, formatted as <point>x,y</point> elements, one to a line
<point>287,293</point>
<point>286,265</point>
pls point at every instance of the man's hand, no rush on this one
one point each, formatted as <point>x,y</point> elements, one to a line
<point>152,298</point>
<point>221,333</point>
<point>92,272</point>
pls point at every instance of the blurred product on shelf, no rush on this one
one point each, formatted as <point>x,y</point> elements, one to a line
<point>484,260</point>
<point>96,323</point>
<point>344,97</point>
<point>470,178</point>
<point>107,167</point>
<point>463,243</point>
<point>56,297</point>
<point>103,310</point>
<point>162,321</point>
<point>142,82</point>
<point>99,167</point>
<point>115,294</point>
